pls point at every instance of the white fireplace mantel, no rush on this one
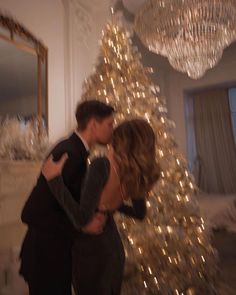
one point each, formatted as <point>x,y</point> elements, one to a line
<point>17,179</point>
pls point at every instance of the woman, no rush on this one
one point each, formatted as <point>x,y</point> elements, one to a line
<point>127,172</point>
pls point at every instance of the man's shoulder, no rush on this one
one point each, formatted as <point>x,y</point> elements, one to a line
<point>62,143</point>
<point>69,145</point>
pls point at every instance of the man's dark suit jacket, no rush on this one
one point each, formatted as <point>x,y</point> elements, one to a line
<point>46,249</point>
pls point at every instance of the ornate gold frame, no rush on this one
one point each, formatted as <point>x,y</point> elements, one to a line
<point>35,47</point>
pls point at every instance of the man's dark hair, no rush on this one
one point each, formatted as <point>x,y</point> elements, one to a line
<point>91,109</point>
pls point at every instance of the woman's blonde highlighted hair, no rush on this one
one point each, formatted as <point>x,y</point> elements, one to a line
<point>134,145</point>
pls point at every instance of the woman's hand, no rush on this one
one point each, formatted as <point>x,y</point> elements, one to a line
<point>95,226</point>
<point>51,169</point>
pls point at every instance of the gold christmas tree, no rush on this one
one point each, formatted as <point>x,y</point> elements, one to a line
<point>169,252</point>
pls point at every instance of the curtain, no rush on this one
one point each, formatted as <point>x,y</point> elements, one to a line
<point>215,145</point>
<point>191,142</point>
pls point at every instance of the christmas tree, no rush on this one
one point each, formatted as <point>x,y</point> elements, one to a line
<point>169,252</point>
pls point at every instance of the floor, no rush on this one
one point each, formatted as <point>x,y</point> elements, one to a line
<point>225,243</point>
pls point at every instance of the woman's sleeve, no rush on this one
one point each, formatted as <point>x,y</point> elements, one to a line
<point>137,210</point>
<point>81,213</point>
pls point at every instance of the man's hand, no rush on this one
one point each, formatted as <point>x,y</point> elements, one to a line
<point>51,169</point>
<point>95,226</point>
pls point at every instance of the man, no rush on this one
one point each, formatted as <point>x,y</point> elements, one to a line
<point>46,262</point>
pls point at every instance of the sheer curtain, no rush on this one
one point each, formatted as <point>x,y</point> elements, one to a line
<point>215,147</point>
<point>191,142</point>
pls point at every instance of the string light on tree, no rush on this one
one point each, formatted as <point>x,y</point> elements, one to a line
<point>169,252</point>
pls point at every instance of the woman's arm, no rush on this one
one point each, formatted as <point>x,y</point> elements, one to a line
<point>80,214</point>
<point>137,210</point>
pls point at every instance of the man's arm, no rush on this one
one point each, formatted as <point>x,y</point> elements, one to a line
<point>41,209</point>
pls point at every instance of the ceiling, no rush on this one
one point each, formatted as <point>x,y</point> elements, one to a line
<point>129,8</point>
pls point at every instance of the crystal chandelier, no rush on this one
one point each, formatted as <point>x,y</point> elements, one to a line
<point>192,34</point>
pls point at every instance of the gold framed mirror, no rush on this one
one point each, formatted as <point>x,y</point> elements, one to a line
<point>24,74</point>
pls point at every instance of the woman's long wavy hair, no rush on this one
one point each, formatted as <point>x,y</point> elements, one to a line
<point>134,151</point>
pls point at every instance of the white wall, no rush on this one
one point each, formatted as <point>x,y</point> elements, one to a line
<point>84,24</point>
<point>176,83</point>
<point>45,19</point>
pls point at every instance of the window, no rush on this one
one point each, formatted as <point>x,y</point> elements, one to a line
<point>194,159</point>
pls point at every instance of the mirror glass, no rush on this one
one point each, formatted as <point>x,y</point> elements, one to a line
<point>23,84</point>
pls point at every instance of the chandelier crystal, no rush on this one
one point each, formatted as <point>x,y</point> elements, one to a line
<point>192,34</point>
